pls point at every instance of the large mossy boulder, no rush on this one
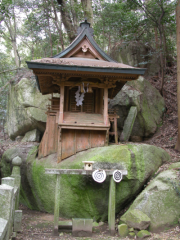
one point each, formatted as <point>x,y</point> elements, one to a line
<point>150,106</point>
<point>160,201</point>
<point>26,108</point>
<point>81,196</point>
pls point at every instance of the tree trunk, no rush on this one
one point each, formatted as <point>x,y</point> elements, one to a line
<point>57,25</point>
<point>177,147</point>
<point>161,58</point>
<point>88,12</point>
<point>16,55</point>
<point>156,38</point>
<point>165,46</point>
<point>66,19</point>
<point>50,38</point>
<point>11,25</point>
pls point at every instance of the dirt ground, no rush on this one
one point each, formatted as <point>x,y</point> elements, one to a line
<point>39,225</point>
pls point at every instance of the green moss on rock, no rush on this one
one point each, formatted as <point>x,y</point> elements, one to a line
<point>123,230</point>
<point>81,196</point>
<point>160,201</point>
<point>143,234</point>
<point>136,219</point>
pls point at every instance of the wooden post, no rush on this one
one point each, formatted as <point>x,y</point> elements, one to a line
<point>56,204</point>
<point>105,105</point>
<point>46,136</point>
<point>59,151</point>
<point>111,206</point>
<point>107,138</point>
<point>61,105</point>
<point>96,100</point>
<point>101,101</point>
<point>115,130</point>
<point>75,144</point>
<point>67,100</point>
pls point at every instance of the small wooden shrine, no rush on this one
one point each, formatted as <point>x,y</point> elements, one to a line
<point>85,77</point>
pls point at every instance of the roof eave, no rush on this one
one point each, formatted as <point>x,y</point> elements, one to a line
<point>36,65</point>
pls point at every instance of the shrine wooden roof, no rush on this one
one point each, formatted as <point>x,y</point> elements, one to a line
<point>84,64</point>
<point>82,59</point>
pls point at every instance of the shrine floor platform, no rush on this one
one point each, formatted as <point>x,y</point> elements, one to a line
<point>81,119</point>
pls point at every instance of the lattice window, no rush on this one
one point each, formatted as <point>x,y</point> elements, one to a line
<point>88,103</point>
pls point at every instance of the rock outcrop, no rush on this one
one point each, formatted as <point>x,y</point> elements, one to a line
<point>137,54</point>
<point>150,106</point>
<point>32,136</point>
<point>81,196</point>
<point>26,108</point>
<point>136,219</point>
<point>160,200</point>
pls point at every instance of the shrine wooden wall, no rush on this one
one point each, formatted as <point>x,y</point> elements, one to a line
<point>49,142</point>
<point>74,140</point>
<point>69,141</point>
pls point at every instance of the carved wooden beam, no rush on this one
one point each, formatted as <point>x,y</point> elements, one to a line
<point>91,84</point>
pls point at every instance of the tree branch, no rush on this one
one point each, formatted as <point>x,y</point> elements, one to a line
<point>9,70</point>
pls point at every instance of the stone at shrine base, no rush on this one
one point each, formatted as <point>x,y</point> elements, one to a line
<point>82,227</point>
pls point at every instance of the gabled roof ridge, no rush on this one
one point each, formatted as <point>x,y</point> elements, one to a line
<point>69,47</point>
<point>78,39</point>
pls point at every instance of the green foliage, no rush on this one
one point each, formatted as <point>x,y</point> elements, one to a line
<point>3,8</point>
<point>116,21</point>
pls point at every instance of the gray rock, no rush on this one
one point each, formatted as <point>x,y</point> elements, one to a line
<point>136,219</point>
<point>150,106</point>
<point>138,55</point>
<point>21,152</point>
<point>32,136</point>
<point>128,124</point>
<point>131,234</point>
<point>143,234</point>
<point>160,200</point>
<point>26,108</point>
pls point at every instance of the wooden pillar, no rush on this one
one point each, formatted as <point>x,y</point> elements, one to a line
<point>107,138</point>
<point>101,101</point>
<point>59,151</point>
<point>56,204</point>
<point>66,108</point>
<point>105,105</point>
<point>111,206</point>
<point>96,100</point>
<point>115,130</point>
<point>61,105</point>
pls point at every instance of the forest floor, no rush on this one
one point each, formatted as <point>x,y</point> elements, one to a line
<point>39,225</point>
